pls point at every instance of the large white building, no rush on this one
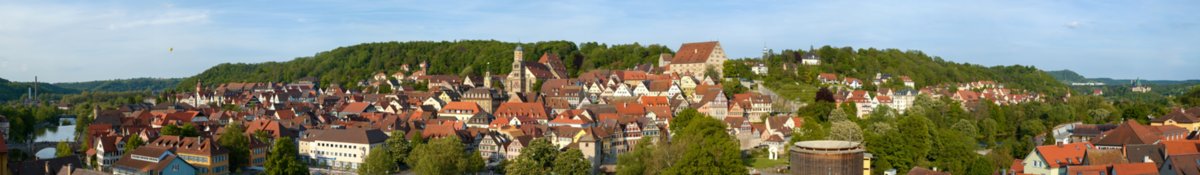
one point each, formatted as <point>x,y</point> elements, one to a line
<point>340,148</point>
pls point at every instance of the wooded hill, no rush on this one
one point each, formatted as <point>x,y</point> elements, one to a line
<point>347,65</point>
<point>925,70</point>
<point>119,85</point>
<point>10,90</point>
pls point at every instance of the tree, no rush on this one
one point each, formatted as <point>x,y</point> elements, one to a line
<point>399,148</point>
<point>706,149</point>
<point>981,165</point>
<point>63,149</point>
<point>966,127</point>
<point>379,161</point>
<point>170,129</point>
<point>818,110</point>
<point>133,143</point>
<point>810,131</point>
<point>907,147</point>
<point>845,130</point>
<point>824,95</point>
<point>283,159</point>
<point>474,162</point>
<point>384,88</point>
<point>733,87</point>
<point>262,135</point>
<point>838,115</point>
<point>635,162</point>
<point>1191,98</point>
<point>440,156</point>
<point>681,121</point>
<point>188,130</point>
<point>234,139</point>
<point>537,158</point>
<point>571,162</point>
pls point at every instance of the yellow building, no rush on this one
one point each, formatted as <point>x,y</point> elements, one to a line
<point>202,153</point>
<point>1188,119</point>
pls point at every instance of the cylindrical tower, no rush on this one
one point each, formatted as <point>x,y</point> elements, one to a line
<point>823,157</point>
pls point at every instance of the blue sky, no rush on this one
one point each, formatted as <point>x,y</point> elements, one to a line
<point>63,41</point>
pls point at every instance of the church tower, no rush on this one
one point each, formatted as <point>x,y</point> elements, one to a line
<point>516,77</point>
<point>487,77</point>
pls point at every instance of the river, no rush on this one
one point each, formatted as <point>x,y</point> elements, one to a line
<point>65,131</point>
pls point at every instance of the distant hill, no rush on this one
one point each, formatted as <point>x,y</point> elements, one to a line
<point>1068,76</point>
<point>10,90</point>
<point>117,85</point>
<point>347,65</point>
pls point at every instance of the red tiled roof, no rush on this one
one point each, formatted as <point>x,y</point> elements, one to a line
<point>1128,133</point>
<point>1135,168</point>
<point>1180,147</point>
<point>1063,155</point>
<point>827,76</point>
<point>471,107</point>
<point>694,52</point>
<point>1087,170</point>
<point>630,109</point>
<point>356,107</point>
<point>535,110</point>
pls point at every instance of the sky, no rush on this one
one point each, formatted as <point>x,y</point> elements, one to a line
<point>68,41</point>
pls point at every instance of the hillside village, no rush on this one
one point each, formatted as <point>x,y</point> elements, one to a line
<point>601,113</point>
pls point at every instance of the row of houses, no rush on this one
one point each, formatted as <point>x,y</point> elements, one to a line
<point>1166,146</point>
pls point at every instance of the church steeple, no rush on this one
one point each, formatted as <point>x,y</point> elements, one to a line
<point>487,77</point>
<point>516,77</point>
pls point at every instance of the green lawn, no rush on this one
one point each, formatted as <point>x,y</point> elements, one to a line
<point>759,160</point>
<point>764,162</point>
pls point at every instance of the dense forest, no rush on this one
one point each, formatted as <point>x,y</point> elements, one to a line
<point>117,85</point>
<point>347,65</point>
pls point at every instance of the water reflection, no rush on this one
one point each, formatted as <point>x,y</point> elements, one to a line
<point>64,131</point>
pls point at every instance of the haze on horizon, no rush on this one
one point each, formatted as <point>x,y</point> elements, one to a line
<point>98,40</point>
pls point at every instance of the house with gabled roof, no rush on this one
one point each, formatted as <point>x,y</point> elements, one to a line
<point>461,111</point>
<point>1130,133</point>
<point>1054,159</point>
<point>153,160</point>
<point>696,58</point>
<point>535,110</point>
<point>1186,118</point>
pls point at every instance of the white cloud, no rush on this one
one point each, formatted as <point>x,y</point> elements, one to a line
<point>1073,24</point>
<point>163,19</point>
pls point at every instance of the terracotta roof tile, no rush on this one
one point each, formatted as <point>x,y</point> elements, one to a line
<point>1063,155</point>
<point>694,52</point>
<point>1135,168</point>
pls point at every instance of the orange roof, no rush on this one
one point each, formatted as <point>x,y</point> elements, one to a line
<point>1181,147</point>
<point>575,116</point>
<point>534,110</point>
<point>1128,133</point>
<point>356,107</point>
<point>654,101</point>
<point>628,108</point>
<point>694,52</point>
<point>827,76</point>
<point>1063,155</point>
<point>1017,166</point>
<point>471,107</point>
<point>1088,170</point>
<point>1135,168</point>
